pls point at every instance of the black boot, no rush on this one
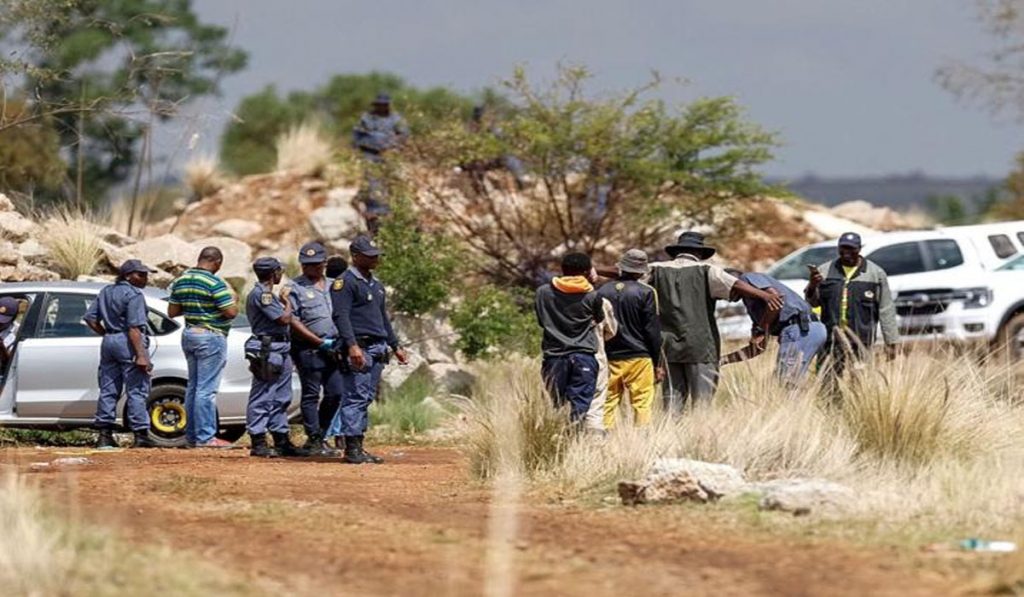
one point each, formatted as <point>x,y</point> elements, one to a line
<point>339,443</point>
<point>106,439</point>
<point>143,440</point>
<point>259,448</point>
<point>316,446</point>
<point>354,453</point>
<point>285,447</point>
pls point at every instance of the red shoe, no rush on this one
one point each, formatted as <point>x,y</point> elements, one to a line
<point>217,443</point>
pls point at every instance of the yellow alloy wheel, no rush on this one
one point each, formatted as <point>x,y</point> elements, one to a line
<point>168,417</point>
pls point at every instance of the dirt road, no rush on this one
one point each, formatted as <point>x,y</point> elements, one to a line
<point>418,526</point>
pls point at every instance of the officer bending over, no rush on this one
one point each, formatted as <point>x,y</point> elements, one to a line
<point>270,363</point>
<point>313,340</point>
<point>119,315</point>
<point>360,314</point>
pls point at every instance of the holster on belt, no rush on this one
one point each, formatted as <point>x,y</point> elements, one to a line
<point>260,364</point>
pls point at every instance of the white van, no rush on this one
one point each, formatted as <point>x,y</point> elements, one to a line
<point>941,279</point>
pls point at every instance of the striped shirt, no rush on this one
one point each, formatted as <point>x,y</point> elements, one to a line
<point>202,296</point>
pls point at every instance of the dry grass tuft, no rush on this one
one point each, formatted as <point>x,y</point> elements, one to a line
<point>304,150</point>
<point>203,176</point>
<point>73,242</point>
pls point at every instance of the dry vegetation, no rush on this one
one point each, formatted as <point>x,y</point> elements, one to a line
<point>304,150</point>
<point>929,439</point>
<point>203,177</point>
<point>42,553</point>
<point>73,242</point>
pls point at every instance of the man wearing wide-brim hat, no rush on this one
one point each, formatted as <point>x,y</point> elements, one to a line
<point>687,288</point>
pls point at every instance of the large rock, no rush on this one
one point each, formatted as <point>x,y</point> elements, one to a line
<point>803,496</point>
<point>336,222</point>
<point>27,273</point>
<point>341,196</point>
<point>395,373</point>
<point>167,252</point>
<point>662,489</point>
<point>432,335</point>
<point>5,203</point>
<point>15,227</point>
<point>451,378</point>
<point>238,228</point>
<point>9,254</point>
<point>237,268</point>
<point>718,480</point>
<point>33,250</point>
<point>680,479</point>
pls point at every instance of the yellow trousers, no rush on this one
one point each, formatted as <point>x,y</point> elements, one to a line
<point>637,377</point>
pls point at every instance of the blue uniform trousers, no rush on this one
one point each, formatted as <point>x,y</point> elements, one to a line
<point>117,373</point>
<point>571,378</point>
<point>796,350</point>
<point>317,373</point>
<point>360,388</point>
<point>269,400</point>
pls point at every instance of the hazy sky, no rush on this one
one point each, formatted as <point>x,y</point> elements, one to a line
<point>848,85</point>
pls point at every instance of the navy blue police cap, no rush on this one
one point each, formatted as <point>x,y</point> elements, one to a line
<point>364,246</point>
<point>312,252</point>
<point>266,265</point>
<point>850,239</point>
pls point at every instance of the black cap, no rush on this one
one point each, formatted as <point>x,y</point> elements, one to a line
<point>382,98</point>
<point>312,252</point>
<point>364,246</point>
<point>266,265</point>
<point>8,309</point>
<point>850,239</point>
<point>131,266</point>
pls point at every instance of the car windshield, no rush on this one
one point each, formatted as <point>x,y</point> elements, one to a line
<point>1013,265</point>
<point>794,267</point>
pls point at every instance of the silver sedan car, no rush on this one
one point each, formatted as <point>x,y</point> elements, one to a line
<point>51,382</point>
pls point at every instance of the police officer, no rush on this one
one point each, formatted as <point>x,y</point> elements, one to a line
<point>119,315</point>
<point>360,314</point>
<point>313,339</point>
<point>270,363</point>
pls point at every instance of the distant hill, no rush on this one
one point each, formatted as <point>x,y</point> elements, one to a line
<point>899,191</point>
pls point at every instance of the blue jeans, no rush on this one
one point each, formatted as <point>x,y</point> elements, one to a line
<point>796,350</point>
<point>571,378</point>
<point>359,390</point>
<point>206,352</point>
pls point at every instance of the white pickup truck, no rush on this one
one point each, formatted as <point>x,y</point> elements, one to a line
<point>960,283</point>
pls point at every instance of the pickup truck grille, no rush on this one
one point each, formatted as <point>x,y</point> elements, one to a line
<point>930,301</point>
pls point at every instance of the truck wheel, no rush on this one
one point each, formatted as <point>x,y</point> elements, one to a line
<point>167,415</point>
<point>1011,338</point>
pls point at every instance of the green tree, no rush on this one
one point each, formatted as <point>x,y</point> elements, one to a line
<point>248,140</point>
<point>420,266</point>
<point>1012,207</point>
<point>947,209</point>
<point>609,172</point>
<point>492,321</point>
<point>29,153</point>
<point>108,70</point>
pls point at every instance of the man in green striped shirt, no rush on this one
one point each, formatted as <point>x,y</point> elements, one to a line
<point>208,305</point>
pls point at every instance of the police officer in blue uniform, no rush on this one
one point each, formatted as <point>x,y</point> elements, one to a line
<point>267,351</point>
<point>119,315</point>
<point>360,313</point>
<point>313,340</point>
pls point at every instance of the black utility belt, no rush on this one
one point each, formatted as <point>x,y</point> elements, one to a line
<point>273,337</point>
<point>368,341</point>
<point>804,320</point>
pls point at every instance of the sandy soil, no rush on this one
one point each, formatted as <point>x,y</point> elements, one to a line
<point>418,526</point>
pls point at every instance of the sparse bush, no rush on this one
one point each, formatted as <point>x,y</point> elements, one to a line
<point>406,410</point>
<point>420,265</point>
<point>304,150</point>
<point>73,243</point>
<point>491,321</point>
<point>203,177</point>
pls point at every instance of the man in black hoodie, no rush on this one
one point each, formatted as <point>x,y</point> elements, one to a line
<point>634,353</point>
<point>568,310</point>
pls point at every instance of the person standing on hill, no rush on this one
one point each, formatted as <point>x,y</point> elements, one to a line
<point>568,310</point>
<point>119,315</point>
<point>634,353</point>
<point>209,305</point>
<point>854,297</point>
<point>687,289</point>
<point>379,131</point>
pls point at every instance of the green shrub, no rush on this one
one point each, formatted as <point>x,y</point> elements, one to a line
<point>406,410</point>
<point>492,321</point>
<point>419,265</point>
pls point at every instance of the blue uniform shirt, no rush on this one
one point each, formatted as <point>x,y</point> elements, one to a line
<point>794,303</point>
<point>119,307</point>
<point>313,306</point>
<point>264,309</point>
<point>376,134</point>
<point>360,309</point>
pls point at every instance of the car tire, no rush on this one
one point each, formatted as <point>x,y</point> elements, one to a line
<point>166,408</point>
<point>1011,338</point>
<point>232,434</point>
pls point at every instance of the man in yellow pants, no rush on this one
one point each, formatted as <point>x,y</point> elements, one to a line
<point>634,352</point>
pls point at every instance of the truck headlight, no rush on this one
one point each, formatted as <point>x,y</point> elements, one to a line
<point>975,298</point>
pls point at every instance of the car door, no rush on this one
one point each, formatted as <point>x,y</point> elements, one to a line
<point>24,321</point>
<point>58,361</point>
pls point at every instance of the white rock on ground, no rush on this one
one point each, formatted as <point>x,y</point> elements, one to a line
<point>237,228</point>
<point>681,479</point>
<point>718,480</point>
<point>803,496</point>
<point>341,196</point>
<point>15,227</point>
<point>395,373</point>
<point>336,222</point>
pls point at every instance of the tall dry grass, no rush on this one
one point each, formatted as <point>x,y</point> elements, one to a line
<point>204,177</point>
<point>73,242</point>
<point>304,150</point>
<point>42,553</point>
<point>925,438</point>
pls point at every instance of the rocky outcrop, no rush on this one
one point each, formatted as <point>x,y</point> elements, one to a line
<point>22,257</point>
<point>801,497</point>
